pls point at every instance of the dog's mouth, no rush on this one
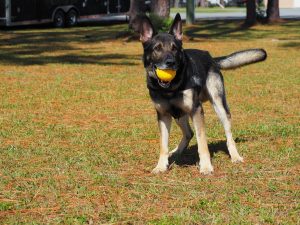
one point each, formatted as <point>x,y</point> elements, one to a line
<point>162,83</point>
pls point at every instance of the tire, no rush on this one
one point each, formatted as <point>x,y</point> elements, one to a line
<point>59,19</point>
<point>71,18</point>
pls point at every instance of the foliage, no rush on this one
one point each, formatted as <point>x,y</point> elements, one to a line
<point>160,24</point>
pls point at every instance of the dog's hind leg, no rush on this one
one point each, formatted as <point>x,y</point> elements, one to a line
<point>216,91</point>
<point>187,135</point>
<point>164,123</point>
<point>204,155</point>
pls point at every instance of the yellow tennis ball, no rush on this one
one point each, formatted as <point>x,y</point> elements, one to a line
<point>165,75</point>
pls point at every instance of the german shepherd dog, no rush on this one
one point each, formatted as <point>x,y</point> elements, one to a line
<point>198,79</point>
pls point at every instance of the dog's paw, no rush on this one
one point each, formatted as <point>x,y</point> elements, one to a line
<point>206,169</point>
<point>159,169</point>
<point>237,159</point>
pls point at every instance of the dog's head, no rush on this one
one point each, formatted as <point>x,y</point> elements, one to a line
<point>161,51</point>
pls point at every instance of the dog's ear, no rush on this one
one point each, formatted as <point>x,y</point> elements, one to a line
<point>144,27</point>
<point>176,28</point>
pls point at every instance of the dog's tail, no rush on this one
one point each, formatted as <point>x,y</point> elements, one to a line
<point>241,58</point>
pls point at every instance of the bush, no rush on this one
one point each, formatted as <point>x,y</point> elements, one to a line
<point>159,23</point>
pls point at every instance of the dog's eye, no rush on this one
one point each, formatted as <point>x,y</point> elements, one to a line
<point>174,48</point>
<point>158,48</point>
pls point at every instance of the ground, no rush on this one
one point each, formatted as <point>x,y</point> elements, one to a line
<point>211,10</point>
<point>78,132</point>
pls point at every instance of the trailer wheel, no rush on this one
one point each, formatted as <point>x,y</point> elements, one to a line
<point>59,19</point>
<point>71,18</point>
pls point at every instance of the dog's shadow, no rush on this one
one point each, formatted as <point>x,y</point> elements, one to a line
<point>190,155</point>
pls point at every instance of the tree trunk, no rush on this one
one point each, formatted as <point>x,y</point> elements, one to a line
<point>202,3</point>
<point>273,11</point>
<point>137,7</point>
<point>251,13</point>
<point>190,12</point>
<point>172,3</point>
<point>161,8</point>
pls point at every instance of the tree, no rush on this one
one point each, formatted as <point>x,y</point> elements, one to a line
<point>202,3</point>
<point>176,3</point>
<point>137,7</point>
<point>161,8</point>
<point>251,13</point>
<point>273,11</point>
<point>190,11</point>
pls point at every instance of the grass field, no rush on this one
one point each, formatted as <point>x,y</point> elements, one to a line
<point>211,10</point>
<point>79,136</point>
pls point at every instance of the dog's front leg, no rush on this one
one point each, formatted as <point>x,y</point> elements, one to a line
<point>187,135</point>
<point>164,123</point>
<point>198,121</point>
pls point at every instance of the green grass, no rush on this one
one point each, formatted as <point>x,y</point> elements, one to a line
<point>210,10</point>
<point>78,133</point>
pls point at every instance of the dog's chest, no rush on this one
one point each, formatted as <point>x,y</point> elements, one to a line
<point>176,104</point>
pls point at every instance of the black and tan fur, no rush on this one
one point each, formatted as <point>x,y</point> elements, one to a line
<point>198,79</point>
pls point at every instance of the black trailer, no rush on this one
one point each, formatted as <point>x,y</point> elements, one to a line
<point>59,12</point>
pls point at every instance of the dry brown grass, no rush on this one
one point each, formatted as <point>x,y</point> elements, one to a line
<point>79,136</point>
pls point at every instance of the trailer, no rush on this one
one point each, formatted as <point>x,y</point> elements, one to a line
<point>60,13</point>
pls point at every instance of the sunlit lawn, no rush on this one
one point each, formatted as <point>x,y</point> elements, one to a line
<point>78,133</point>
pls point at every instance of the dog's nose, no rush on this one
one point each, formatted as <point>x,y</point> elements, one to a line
<point>170,62</point>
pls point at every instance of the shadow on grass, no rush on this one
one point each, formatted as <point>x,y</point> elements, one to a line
<point>290,45</point>
<point>36,59</point>
<point>214,29</point>
<point>235,29</point>
<point>190,155</point>
<point>32,46</point>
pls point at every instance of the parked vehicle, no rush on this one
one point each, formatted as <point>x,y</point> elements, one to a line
<point>59,12</point>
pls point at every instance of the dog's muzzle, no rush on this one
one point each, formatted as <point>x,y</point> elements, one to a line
<point>165,74</point>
